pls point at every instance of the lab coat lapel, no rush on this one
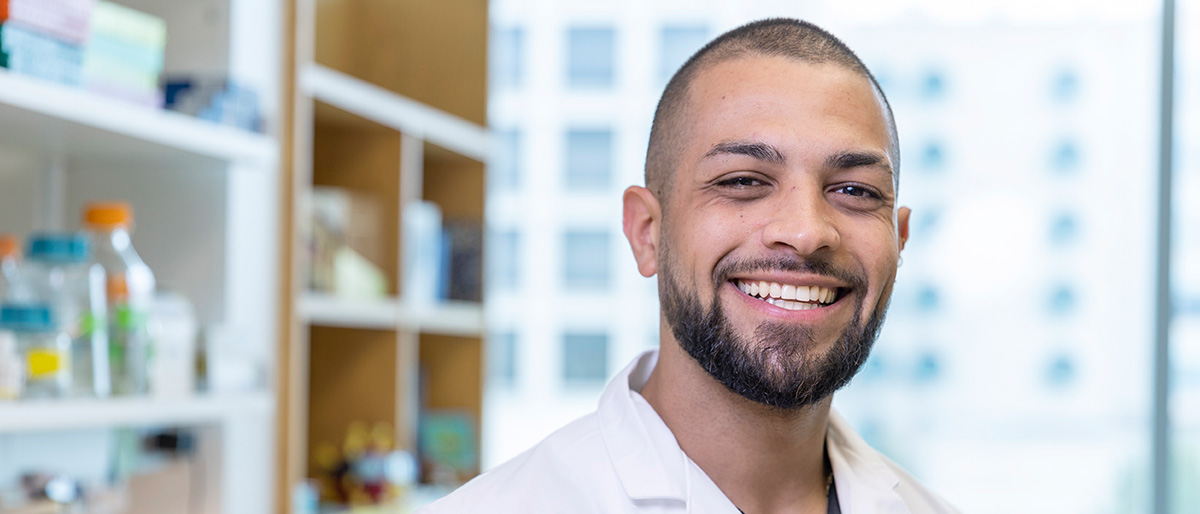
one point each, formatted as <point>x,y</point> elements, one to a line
<point>865,483</point>
<point>636,446</point>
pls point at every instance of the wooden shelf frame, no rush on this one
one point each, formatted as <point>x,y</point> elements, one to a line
<point>389,101</point>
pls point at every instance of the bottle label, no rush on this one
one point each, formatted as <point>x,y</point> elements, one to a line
<point>128,318</point>
<point>44,363</point>
<point>90,324</point>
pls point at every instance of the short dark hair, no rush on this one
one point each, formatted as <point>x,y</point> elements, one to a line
<point>784,37</point>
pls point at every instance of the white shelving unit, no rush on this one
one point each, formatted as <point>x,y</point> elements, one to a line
<point>49,116</point>
<point>206,209</point>
<point>17,417</point>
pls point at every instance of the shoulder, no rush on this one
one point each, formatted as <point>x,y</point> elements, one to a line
<point>568,470</point>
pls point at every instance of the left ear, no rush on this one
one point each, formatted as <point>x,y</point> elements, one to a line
<point>902,216</point>
<point>642,216</point>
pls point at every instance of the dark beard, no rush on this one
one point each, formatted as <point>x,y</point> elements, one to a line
<point>784,369</point>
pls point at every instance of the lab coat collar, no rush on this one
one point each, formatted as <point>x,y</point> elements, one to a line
<point>865,482</point>
<point>640,448</point>
<point>651,465</point>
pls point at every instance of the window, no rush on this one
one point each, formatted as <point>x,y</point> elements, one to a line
<point>585,356</point>
<point>1063,229</point>
<point>932,156</point>
<point>1065,158</point>
<point>678,43</point>
<point>502,358</point>
<point>590,57</point>
<point>506,59</point>
<point>589,159</point>
<point>1065,86</point>
<point>933,85</point>
<point>504,173</point>
<point>586,260</point>
<point>1061,301</point>
<point>504,259</point>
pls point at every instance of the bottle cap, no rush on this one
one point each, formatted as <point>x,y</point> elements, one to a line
<point>26,318</point>
<point>108,215</point>
<point>59,248</point>
<point>10,246</point>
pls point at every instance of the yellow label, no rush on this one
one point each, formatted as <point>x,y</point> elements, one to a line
<point>44,362</point>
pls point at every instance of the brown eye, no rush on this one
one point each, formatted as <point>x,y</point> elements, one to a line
<point>740,182</point>
<point>857,191</point>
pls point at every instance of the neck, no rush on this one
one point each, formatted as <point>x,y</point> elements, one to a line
<point>765,460</point>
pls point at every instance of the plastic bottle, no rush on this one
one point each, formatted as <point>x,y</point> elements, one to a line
<point>130,290</point>
<point>10,256</point>
<point>59,267</point>
<point>45,350</point>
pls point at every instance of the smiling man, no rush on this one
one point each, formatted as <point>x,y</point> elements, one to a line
<point>770,218</point>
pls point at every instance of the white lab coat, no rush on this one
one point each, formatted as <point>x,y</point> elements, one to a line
<point>623,459</point>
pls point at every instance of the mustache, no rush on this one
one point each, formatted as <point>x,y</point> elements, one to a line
<point>726,269</point>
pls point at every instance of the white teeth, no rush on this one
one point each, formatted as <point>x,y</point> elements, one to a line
<point>787,292</point>
<point>802,294</point>
<point>782,295</point>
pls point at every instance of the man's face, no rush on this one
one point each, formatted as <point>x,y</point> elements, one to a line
<point>780,242</point>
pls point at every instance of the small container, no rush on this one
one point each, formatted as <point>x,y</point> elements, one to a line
<point>44,349</point>
<point>59,268</point>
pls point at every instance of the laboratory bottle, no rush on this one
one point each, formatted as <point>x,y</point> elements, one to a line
<point>61,268</point>
<point>10,256</point>
<point>45,351</point>
<point>129,286</point>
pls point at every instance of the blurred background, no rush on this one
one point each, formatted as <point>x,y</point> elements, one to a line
<point>378,244</point>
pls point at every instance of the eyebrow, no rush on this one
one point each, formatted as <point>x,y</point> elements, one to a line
<point>855,159</point>
<point>755,150</point>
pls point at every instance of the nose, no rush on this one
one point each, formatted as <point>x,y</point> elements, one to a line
<point>803,223</point>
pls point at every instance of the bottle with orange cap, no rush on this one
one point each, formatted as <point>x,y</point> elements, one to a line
<point>130,289</point>
<point>10,256</point>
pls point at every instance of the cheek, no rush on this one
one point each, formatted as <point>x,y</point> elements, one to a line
<point>707,236</point>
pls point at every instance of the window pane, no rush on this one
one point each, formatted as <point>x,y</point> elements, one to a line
<point>506,64</point>
<point>504,260</point>
<point>585,357</point>
<point>585,260</point>
<point>590,57</point>
<point>679,43</point>
<point>502,358</point>
<point>589,159</point>
<point>504,172</point>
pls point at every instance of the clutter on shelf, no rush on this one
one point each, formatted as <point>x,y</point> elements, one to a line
<point>117,52</point>
<point>366,468</point>
<point>445,255</point>
<point>81,317</point>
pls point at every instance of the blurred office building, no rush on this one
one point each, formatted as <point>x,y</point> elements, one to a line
<point>1015,369</point>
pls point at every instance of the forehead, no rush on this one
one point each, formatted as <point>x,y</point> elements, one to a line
<point>787,101</point>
